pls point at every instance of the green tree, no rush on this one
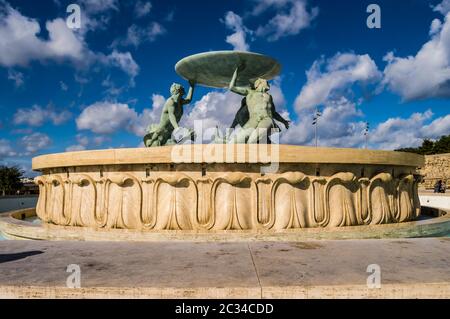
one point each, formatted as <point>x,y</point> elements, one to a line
<point>442,146</point>
<point>429,147</point>
<point>10,179</point>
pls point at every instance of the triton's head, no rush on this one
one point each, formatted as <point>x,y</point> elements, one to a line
<point>177,89</point>
<point>261,85</point>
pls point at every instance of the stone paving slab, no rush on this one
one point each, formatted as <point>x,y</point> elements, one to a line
<point>410,268</point>
<point>346,262</point>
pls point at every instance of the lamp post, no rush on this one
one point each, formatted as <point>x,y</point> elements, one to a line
<point>317,115</point>
<point>366,134</point>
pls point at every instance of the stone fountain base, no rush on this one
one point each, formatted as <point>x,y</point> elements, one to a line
<point>210,188</point>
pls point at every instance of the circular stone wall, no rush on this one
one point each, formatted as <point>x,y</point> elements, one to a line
<point>227,187</point>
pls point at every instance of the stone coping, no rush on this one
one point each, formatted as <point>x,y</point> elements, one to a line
<point>234,154</point>
<point>13,227</point>
<point>389,291</point>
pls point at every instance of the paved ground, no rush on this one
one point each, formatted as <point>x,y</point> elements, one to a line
<point>313,269</point>
<point>430,199</point>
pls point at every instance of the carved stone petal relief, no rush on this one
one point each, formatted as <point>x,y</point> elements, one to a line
<point>340,199</point>
<point>56,201</point>
<point>320,215</point>
<point>175,202</point>
<point>205,216</point>
<point>363,213</point>
<point>81,202</point>
<point>148,216</point>
<point>124,202</point>
<point>291,201</point>
<point>101,213</point>
<point>41,206</point>
<point>232,202</point>
<point>406,202</point>
<point>265,217</point>
<point>381,199</point>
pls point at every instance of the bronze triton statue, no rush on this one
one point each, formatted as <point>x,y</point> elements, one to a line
<point>257,113</point>
<point>161,134</point>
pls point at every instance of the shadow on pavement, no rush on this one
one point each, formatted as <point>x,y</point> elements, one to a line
<point>4,258</point>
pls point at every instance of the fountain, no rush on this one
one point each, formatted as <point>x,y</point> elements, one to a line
<point>236,188</point>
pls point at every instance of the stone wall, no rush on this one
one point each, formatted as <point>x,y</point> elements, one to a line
<point>436,167</point>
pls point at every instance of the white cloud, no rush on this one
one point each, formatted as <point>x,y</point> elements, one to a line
<point>238,38</point>
<point>99,6</point>
<point>111,117</point>
<point>106,117</point>
<point>427,74</point>
<point>329,83</point>
<point>443,7</point>
<point>148,116</point>
<point>63,86</point>
<point>291,17</point>
<point>96,14</point>
<point>214,109</point>
<point>439,127</point>
<point>82,140</point>
<point>20,44</point>
<point>5,149</point>
<point>75,148</point>
<point>111,89</point>
<point>115,117</point>
<point>436,26</point>
<point>134,36</point>
<point>169,17</point>
<point>339,126</point>
<point>35,142</point>
<point>137,35</point>
<point>63,43</point>
<point>80,79</point>
<point>400,132</point>
<point>16,76</point>
<point>262,5</point>
<point>340,73</point>
<point>142,9</point>
<point>37,116</point>
<point>99,140</point>
<point>277,94</point>
<point>124,61</point>
<point>84,143</point>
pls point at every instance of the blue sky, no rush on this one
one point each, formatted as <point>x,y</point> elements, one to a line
<point>101,85</point>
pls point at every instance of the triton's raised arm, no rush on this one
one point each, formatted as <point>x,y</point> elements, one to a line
<point>234,88</point>
<point>190,94</point>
